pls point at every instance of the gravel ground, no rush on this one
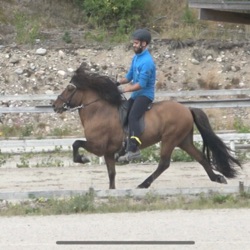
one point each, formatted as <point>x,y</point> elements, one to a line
<point>209,229</point>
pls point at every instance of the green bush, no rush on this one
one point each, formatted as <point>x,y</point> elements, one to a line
<point>188,16</point>
<point>27,28</point>
<point>119,15</point>
<point>66,37</point>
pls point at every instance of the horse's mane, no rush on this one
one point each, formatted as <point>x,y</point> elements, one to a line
<point>100,84</point>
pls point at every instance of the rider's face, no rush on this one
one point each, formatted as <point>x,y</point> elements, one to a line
<point>138,46</point>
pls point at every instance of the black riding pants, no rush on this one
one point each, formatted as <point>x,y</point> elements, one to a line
<point>137,108</point>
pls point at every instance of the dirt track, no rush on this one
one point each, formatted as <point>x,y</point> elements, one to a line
<point>82,177</point>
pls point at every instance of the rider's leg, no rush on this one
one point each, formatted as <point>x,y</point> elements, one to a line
<point>137,110</point>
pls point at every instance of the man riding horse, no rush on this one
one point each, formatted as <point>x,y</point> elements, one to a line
<point>141,82</point>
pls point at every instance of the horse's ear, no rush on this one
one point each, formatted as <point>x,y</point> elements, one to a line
<point>73,78</point>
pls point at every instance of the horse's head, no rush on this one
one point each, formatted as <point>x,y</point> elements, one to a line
<point>64,100</point>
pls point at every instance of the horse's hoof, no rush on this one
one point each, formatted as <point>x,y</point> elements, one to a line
<point>84,160</point>
<point>221,179</point>
<point>142,186</point>
<point>81,159</point>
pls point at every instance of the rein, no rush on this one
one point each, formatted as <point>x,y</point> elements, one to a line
<point>66,104</point>
<point>81,106</point>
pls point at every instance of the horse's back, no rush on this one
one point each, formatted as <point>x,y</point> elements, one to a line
<point>168,119</point>
<point>172,111</point>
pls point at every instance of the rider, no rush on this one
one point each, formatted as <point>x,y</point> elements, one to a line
<point>141,82</point>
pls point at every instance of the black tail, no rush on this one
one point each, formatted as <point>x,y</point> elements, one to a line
<point>221,158</point>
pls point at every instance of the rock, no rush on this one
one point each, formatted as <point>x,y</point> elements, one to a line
<point>71,70</point>
<point>210,58</point>
<point>195,62</point>
<point>41,51</point>
<point>219,59</point>
<point>49,92</point>
<point>14,60</point>
<point>235,68</point>
<point>61,54</point>
<point>32,66</point>
<point>19,71</point>
<point>62,73</point>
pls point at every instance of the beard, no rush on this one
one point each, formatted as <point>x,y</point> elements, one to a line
<point>138,50</point>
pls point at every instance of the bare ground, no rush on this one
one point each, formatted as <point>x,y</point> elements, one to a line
<point>82,177</point>
<point>209,229</point>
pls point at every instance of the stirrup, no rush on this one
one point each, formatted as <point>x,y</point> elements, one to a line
<point>130,156</point>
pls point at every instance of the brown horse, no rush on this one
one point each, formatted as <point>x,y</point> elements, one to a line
<point>97,100</point>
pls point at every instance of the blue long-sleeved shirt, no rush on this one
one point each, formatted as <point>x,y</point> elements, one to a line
<point>143,71</point>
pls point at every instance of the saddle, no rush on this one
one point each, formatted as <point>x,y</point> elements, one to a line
<point>124,112</point>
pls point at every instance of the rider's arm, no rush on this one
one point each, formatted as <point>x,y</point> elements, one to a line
<point>131,87</point>
<point>124,81</point>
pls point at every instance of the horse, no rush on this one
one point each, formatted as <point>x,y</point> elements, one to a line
<point>98,100</point>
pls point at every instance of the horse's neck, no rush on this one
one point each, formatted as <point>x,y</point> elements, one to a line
<point>87,97</point>
<point>96,111</point>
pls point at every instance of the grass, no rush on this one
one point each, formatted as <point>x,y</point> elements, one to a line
<point>3,158</point>
<point>88,203</point>
<point>240,126</point>
<point>27,28</point>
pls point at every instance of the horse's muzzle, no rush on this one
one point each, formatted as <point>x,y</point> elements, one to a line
<point>58,109</point>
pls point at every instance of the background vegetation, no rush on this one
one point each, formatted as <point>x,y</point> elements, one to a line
<point>111,20</point>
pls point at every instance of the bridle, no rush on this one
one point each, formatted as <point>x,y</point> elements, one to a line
<point>66,103</point>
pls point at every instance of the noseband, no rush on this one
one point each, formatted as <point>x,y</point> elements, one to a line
<point>66,103</point>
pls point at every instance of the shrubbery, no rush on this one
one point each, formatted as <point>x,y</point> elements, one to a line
<point>119,15</point>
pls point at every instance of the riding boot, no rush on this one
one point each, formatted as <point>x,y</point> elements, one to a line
<point>133,152</point>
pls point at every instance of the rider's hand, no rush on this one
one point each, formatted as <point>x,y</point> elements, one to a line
<point>121,90</point>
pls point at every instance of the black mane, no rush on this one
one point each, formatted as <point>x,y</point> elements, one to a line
<point>100,84</point>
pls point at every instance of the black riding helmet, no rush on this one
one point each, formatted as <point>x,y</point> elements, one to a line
<point>142,35</point>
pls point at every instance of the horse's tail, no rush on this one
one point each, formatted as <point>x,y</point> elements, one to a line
<point>221,158</point>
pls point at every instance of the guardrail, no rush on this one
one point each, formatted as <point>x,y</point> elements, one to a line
<point>46,145</point>
<point>229,103</point>
<point>218,4</point>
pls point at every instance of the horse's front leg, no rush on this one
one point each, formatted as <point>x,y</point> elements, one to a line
<point>79,158</point>
<point>110,163</point>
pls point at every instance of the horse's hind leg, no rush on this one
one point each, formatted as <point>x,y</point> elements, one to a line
<point>76,156</point>
<point>188,146</point>
<point>164,163</point>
